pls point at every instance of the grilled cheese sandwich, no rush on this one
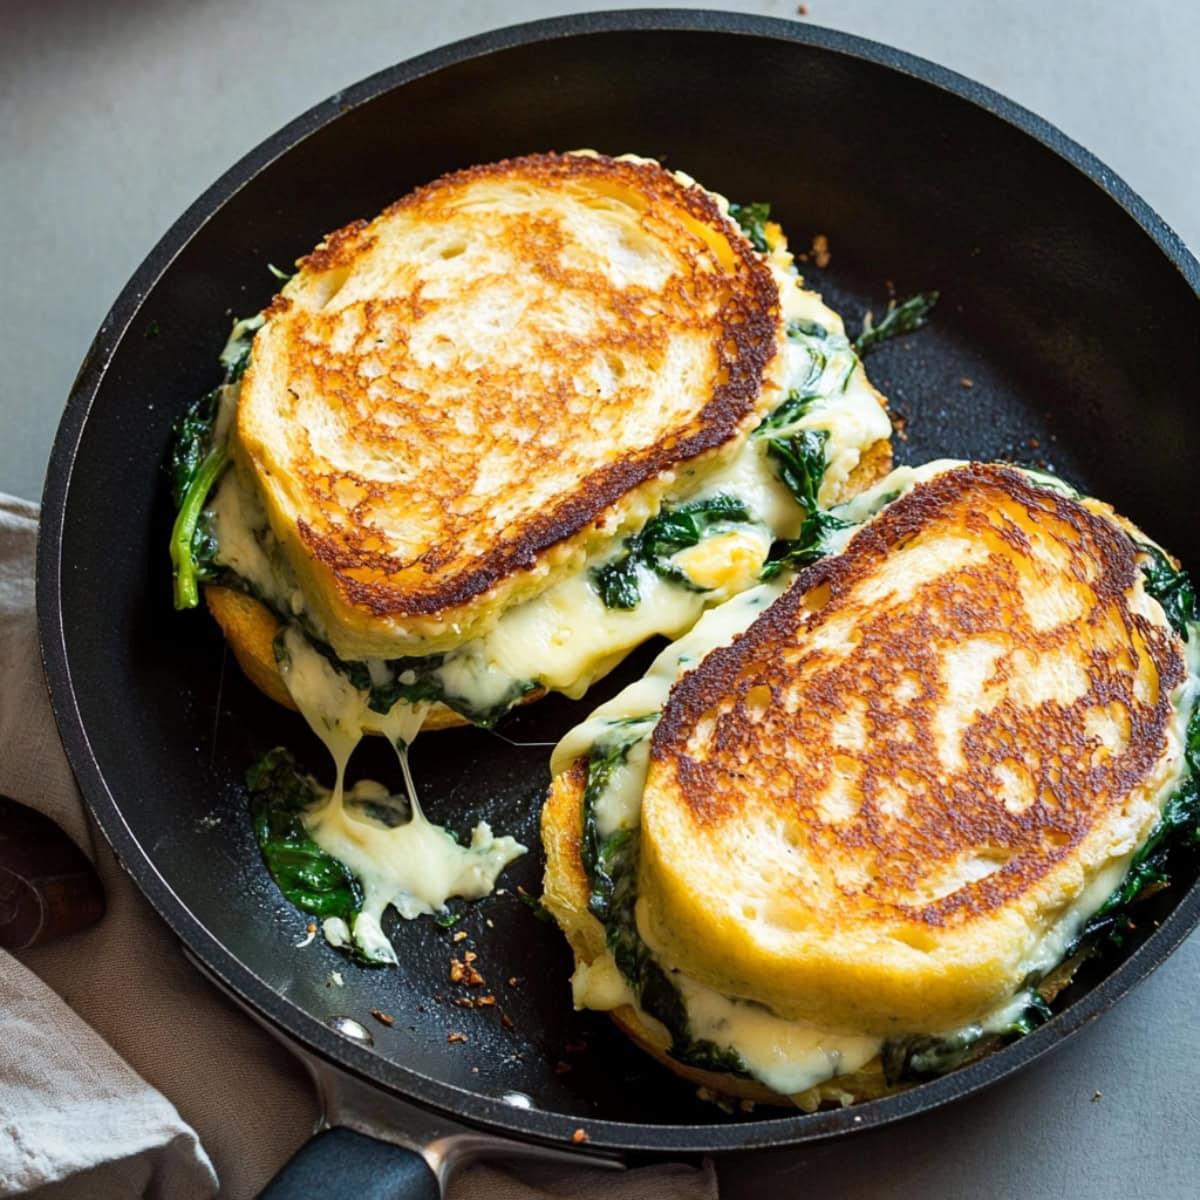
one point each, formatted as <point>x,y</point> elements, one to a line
<point>455,421</point>
<point>847,830</point>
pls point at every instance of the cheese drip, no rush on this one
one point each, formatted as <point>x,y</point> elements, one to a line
<point>416,866</point>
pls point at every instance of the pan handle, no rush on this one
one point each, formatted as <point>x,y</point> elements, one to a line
<point>340,1164</point>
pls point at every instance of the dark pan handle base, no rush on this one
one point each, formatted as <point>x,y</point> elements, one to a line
<point>339,1164</point>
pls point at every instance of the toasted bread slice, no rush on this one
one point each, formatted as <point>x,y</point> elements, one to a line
<point>449,406</point>
<point>873,809</point>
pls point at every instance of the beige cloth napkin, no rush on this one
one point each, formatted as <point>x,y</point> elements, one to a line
<point>123,1073</point>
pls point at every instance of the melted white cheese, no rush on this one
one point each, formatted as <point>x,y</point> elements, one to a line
<point>416,866</point>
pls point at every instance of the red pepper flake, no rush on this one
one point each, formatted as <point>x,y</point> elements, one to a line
<point>967,383</point>
<point>561,1068</point>
<point>456,1037</point>
<point>575,1047</point>
<point>802,10</point>
<point>579,1137</point>
<point>1034,443</point>
<point>506,1021</point>
<point>382,1017</point>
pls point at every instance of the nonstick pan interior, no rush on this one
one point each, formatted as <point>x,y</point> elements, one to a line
<point>1066,334</point>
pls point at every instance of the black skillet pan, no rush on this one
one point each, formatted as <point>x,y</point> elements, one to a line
<point>1067,303</point>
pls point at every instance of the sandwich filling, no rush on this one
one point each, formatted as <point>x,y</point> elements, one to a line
<point>891,930</point>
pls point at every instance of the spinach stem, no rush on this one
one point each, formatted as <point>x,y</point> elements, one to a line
<point>187,592</point>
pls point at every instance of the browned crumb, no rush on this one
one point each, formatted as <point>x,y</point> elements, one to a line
<point>456,1037</point>
<point>1034,443</point>
<point>310,927</point>
<point>967,383</point>
<point>1096,1096</point>
<point>579,1137</point>
<point>457,971</point>
<point>561,1068</point>
<point>474,979</point>
<point>464,1002</point>
<point>506,1021</point>
<point>486,1001</point>
<point>820,251</point>
<point>516,980</point>
<point>382,1017</point>
<point>470,956</point>
<point>460,936</point>
<point>802,10</point>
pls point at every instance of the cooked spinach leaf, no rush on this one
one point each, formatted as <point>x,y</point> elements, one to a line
<point>315,882</point>
<point>803,327</point>
<point>611,864</point>
<point>235,357</point>
<point>752,219</point>
<point>195,464</point>
<point>906,317</point>
<point>1171,588</point>
<point>800,463</point>
<point>192,546</point>
<point>788,413</point>
<point>673,529</point>
<point>191,443</point>
<point>812,544</point>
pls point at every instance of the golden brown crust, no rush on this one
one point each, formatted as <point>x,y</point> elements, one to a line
<point>373,385</point>
<point>1071,790</point>
<point>250,628</point>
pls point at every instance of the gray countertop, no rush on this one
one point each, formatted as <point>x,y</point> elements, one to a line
<point>117,115</point>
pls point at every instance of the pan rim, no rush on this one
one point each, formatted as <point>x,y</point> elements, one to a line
<point>534,1125</point>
